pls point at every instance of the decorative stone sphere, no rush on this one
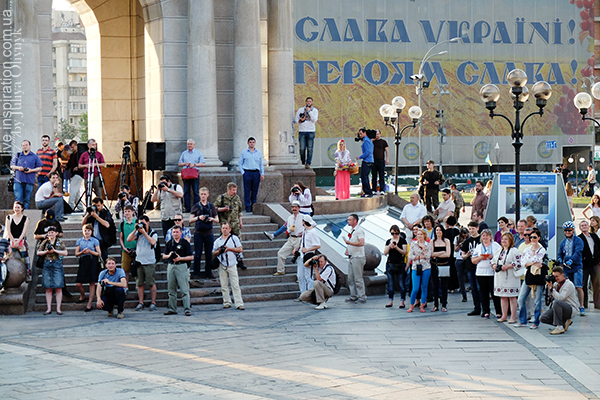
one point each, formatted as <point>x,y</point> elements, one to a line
<point>17,271</point>
<point>373,256</point>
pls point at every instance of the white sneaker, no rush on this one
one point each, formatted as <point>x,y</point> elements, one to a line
<point>321,306</point>
<point>270,236</point>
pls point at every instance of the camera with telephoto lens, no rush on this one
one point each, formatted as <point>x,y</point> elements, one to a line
<point>122,196</point>
<point>92,152</point>
<point>140,225</point>
<point>91,209</point>
<point>550,278</point>
<point>296,255</point>
<point>296,190</point>
<point>162,185</point>
<point>313,262</point>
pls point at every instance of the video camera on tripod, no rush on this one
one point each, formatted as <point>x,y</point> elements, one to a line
<point>371,134</point>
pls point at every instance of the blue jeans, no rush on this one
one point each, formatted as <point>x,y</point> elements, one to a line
<point>423,281</point>
<point>474,290</point>
<point>251,184</point>
<point>306,141</point>
<point>379,171</point>
<point>190,185</point>
<point>523,293</point>
<point>279,231</point>
<point>53,202</point>
<point>400,278</point>
<point>23,192</point>
<point>365,168</point>
<point>203,241</point>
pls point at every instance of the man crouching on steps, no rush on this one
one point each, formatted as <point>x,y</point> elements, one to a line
<point>324,282</point>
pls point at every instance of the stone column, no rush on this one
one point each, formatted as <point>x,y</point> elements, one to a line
<point>281,82</point>
<point>247,97</point>
<point>202,81</point>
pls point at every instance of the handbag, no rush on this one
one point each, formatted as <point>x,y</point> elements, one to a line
<point>353,169</point>
<point>419,269</point>
<point>519,272</point>
<point>394,269</point>
<point>215,263</point>
<point>189,173</point>
<point>240,261</point>
<point>443,271</point>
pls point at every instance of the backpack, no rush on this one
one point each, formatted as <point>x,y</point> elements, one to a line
<point>156,247</point>
<point>338,281</point>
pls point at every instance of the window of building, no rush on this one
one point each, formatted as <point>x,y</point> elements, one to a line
<point>77,91</point>
<point>77,62</point>
<point>77,48</point>
<point>77,105</point>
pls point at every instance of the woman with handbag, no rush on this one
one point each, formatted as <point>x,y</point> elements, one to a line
<point>420,257</point>
<point>16,232</point>
<point>482,256</point>
<point>536,271</point>
<point>440,268</point>
<point>395,268</point>
<point>308,248</point>
<point>342,173</point>
<point>88,250</point>
<point>53,276</point>
<point>507,280</point>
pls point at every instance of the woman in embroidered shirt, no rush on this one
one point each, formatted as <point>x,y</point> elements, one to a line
<point>53,276</point>
<point>88,249</point>
<point>16,232</point>
<point>420,255</point>
<point>342,175</point>
<point>482,256</point>
<point>532,260</point>
<point>506,262</point>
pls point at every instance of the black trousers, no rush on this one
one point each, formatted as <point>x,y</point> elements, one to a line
<point>378,170</point>
<point>432,199</point>
<point>486,290</point>
<point>113,297</point>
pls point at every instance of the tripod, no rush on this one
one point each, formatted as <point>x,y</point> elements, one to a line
<point>92,163</point>
<point>126,171</point>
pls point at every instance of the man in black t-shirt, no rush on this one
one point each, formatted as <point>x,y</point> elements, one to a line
<point>178,252</point>
<point>381,157</point>
<point>395,269</point>
<point>467,251</point>
<point>431,180</point>
<point>203,214</point>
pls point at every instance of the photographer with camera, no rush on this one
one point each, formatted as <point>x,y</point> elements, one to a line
<point>367,161</point>
<point>178,252</point>
<point>229,207</point>
<point>324,281</point>
<point>104,227</point>
<point>170,195</point>
<point>225,248</point>
<point>145,260</point>
<point>84,164</point>
<point>306,117</point>
<point>191,160</point>
<point>300,193</point>
<point>295,229</point>
<point>53,276</point>
<point>25,164</point>
<point>203,214</point>
<point>126,199</point>
<point>110,291</point>
<point>570,253</point>
<point>50,195</point>
<point>76,174</point>
<point>565,302</point>
<point>127,248</point>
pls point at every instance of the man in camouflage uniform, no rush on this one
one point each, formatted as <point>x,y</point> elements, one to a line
<point>229,207</point>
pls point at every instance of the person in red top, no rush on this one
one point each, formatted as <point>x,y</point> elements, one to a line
<point>84,161</point>
<point>49,160</point>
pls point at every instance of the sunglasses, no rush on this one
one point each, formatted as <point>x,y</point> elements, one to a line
<point>395,233</point>
<point>177,219</point>
<point>568,230</point>
<point>534,237</point>
<point>527,234</point>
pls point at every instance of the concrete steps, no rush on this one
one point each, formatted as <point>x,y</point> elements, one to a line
<point>257,281</point>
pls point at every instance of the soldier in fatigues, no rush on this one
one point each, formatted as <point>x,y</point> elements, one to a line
<point>229,207</point>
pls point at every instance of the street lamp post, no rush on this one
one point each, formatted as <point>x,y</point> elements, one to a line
<point>420,82</point>
<point>391,114</point>
<point>583,102</point>
<point>439,113</point>
<point>490,94</point>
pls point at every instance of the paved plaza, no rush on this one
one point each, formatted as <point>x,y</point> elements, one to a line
<point>288,350</point>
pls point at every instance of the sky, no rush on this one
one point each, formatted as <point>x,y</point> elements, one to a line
<point>61,5</point>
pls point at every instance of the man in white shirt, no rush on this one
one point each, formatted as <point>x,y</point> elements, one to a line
<point>412,214</point>
<point>295,228</point>
<point>307,117</point>
<point>49,195</point>
<point>225,248</point>
<point>324,281</point>
<point>357,260</point>
<point>446,207</point>
<point>565,304</point>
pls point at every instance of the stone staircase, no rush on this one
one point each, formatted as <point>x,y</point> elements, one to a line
<point>257,281</point>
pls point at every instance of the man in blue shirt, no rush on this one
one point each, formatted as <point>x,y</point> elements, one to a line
<point>570,253</point>
<point>191,160</point>
<point>26,165</point>
<point>110,291</point>
<point>251,167</point>
<point>367,162</point>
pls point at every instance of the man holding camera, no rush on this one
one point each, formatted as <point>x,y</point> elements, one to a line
<point>110,291</point>
<point>203,214</point>
<point>324,282</point>
<point>49,195</point>
<point>76,174</point>
<point>127,248</point>
<point>225,248</point>
<point>565,303</point>
<point>367,162</point>
<point>295,229</point>
<point>570,253</point>
<point>104,227</point>
<point>432,180</point>
<point>85,162</point>
<point>252,169</point>
<point>191,160</point>
<point>145,260</point>
<point>356,261</point>
<point>26,165</point>
<point>307,117</point>
<point>178,252</point>
<point>170,195</point>
<point>126,199</point>
<point>229,207</point>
